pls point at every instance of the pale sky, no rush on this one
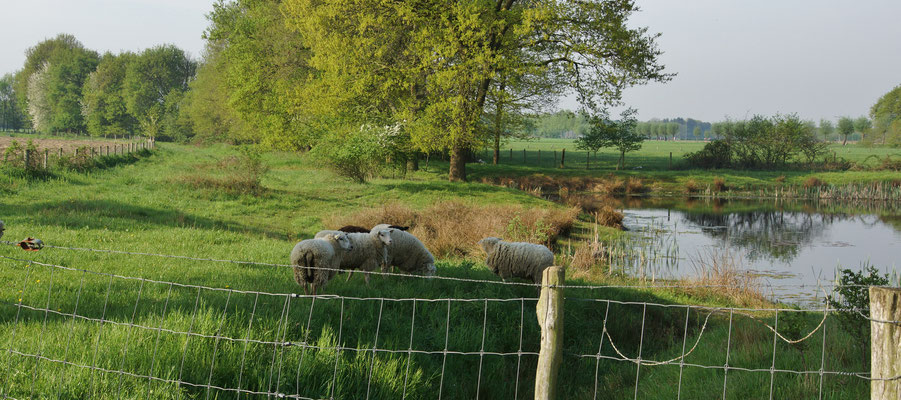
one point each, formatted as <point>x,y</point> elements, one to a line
<point>819,58</point>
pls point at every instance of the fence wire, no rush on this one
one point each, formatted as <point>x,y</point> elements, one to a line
<point>284,344</point>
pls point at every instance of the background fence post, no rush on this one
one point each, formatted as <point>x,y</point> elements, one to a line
<point>885,342</point>
<point>550,317</point>
<point>563,159</point>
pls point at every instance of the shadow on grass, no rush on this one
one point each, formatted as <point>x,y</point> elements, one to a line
<point>118,216</point>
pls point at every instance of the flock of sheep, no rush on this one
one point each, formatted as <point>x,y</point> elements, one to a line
<point>318,260</point>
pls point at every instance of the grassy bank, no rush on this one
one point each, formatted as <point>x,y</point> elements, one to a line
<point>202,202</point>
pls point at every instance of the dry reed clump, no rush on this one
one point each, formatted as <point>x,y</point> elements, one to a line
<point>609,216</point>
<point>719,184</point>
<point>635,186</point>
<point>813,182</point>
<point>588,255</point>
<point>720,270</point>
<point>453,228</point>
<point>780,179</point>
<point>691,186</point>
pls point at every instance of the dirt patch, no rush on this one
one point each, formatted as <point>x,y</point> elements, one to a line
<point>68,145</point>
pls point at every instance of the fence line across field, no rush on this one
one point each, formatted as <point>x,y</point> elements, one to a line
<point>279,346</point>
<point>449,278</point>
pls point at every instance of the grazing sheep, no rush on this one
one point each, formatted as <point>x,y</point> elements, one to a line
<point>316,261</point>
<point>516,259</point>
<point>407,253</point>
<point>370,250</point>
<point>353,229</point>
<point>403,228</point>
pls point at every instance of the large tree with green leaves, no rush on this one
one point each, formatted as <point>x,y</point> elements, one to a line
<point>103,103</point>
<point>212,116</point>
<point>886,116</point>
<point>434,63</point>
<point>154,83</point>
<point>826,129</point>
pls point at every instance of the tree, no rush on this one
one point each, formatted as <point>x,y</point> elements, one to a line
<point>433,63</point>
<point>212,116</point>
<point>38,91</point>
<point>886,116</point>
<point>845,128</point>
<point>103,103</point>
<point>862,125</point>
<point>263,72</point>
<point>35,59</point>
<point>671,129</point>
<point>620,135</point>
<point>11,116</point>
<point>697,133</point>
<point>150,80</point>
<point>826,129</point>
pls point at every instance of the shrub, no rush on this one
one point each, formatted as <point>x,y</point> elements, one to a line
<point>691,186</point>
<point>780,179</point>
<point>813,182</point>
<point>715,154</point>
<point>354,154</point>
<point>853,294</point>
<point>719,184</point>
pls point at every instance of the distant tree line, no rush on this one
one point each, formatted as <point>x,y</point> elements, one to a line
<point>64,87</point>
<point>567,124</point>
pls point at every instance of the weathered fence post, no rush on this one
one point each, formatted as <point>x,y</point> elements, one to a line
<point>539,157</point>
<point>563,158</point>
<point>523,156</point>
<point>550,318</point>
<point>587,160</point>
<point>511,155</point>
<point>555,159</point>
<point>27,159</point>
<point>885,343</point>
<point>670,160</point>
<point>46,157</point>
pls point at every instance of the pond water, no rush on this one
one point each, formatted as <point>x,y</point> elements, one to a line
<point>795,248</point>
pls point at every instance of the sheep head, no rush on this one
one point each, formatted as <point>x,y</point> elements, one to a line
<point>488,244</point>
<point>385,236</point>
<point>343,241</point>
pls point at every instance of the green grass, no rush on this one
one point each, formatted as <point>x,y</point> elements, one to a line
<point>155,204</point>
<point>652,165</point>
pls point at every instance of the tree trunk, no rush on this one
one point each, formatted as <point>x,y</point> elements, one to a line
<point>457,171</point>
<point>497,149</point>
<point>413,162</point>
<point>845,140</point>
<point>622,160</point>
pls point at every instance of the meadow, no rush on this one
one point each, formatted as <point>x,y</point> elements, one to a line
<point>83,324</point>
<point>651,164</point>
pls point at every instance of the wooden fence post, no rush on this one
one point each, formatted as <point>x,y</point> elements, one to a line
<point>885,342</point>
<point>550,317</point>
<point>511,155</point>
<point>555,158</point>
<point>670,160</point>
<point>523,156</point>
<point>539,157</point>
<point>46,157</point>
<point>563,159</point>
<point>587,160</point>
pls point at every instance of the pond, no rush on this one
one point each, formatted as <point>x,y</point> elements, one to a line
<point>795,248</point>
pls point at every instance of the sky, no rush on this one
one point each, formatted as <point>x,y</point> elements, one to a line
<point>821,59</point>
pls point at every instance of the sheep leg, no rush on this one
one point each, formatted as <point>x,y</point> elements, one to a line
<point>349,274</point>
<point>366,277</point>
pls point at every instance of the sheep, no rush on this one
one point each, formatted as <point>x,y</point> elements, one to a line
<point>516,259</point>
<point>316,261</point>
<point>370,250</point>
<point>407,253</point>
<point>353,229</point>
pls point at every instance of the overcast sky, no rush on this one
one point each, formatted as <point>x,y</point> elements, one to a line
<point>819,58</point>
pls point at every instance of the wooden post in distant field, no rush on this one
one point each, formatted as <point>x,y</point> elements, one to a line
<point>563,158</point>
<point>550,318</point>
<point>46,158</point>
<point>555,158</point>
<point>523,156</point>
<point>539,157</point>
<point>107,150</point>
<point>587,160</point>
<point>885,343</point>
<point>670,160</point>
<point>511,155</point>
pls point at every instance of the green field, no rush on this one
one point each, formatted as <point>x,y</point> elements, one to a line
<point>652,165</point>
<point>179,201</point>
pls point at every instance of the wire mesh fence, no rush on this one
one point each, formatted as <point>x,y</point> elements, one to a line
<point>74,332</point>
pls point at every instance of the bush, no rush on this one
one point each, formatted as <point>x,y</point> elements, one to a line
<point>354,154</point>
<point>813,182</point>
<point>691,186</point>
<point>719,185</point>
<point>853,294</point>
<point>715,154</point>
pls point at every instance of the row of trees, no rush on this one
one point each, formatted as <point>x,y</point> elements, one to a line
<point>64,87</point>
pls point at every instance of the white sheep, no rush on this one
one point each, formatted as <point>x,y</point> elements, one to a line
<point>316,261</point>
<point>407,253</point>
<point>516,259</point>
<point>370,250</point>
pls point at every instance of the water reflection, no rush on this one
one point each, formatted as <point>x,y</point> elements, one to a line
<point>789,243</point>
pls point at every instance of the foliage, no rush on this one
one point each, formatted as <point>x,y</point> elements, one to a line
<point>853,294</point>
<point>826,129</point>
<point>154,83</point>
<point>770,142</point>
<point>38,101</point>
<point>845,128</point>
<point>715,154</point>
<point>620,135</point>
<point>103,102</point>
<point>435,63</point>
<point>11,115</point>
<point>212,117</point>
<point>886,119</point>
<point>353,153</point>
